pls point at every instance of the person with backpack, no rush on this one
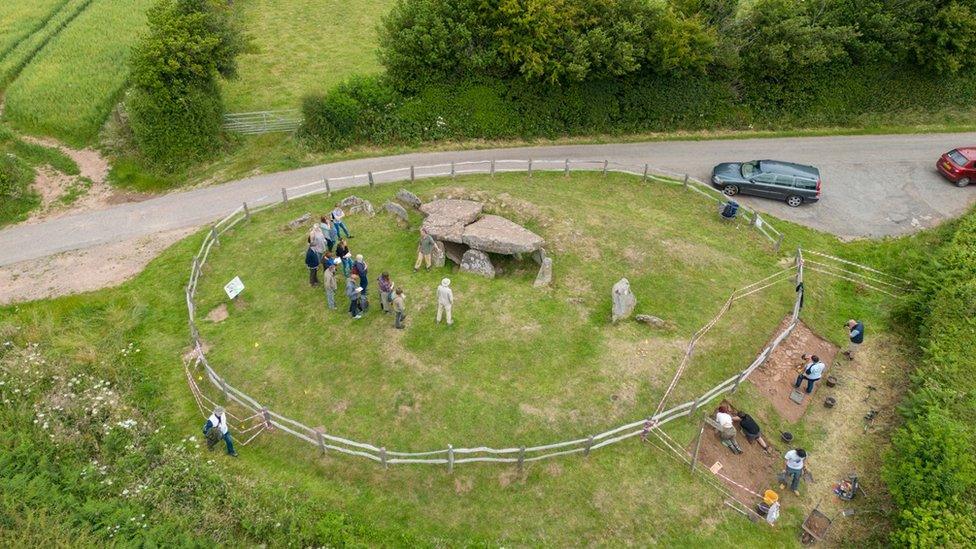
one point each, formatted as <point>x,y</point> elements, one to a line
<point>216,428</point>
<point>856,329</point>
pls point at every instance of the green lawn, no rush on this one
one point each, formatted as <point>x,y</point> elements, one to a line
<point>429,386</point>
<point>303,46</point>
<point>71,85</point>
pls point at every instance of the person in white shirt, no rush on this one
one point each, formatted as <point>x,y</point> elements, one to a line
<point>727,428</point>
<point>338,224</point>
<point>795,464</point>
<point>217,424</point>
<point>445,301</point>
<point>812,372</point>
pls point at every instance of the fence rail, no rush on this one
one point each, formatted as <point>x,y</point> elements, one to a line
<point>449,456</point>
<point>286,120</point>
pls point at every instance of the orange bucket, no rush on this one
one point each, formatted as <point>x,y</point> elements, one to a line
<point>770,497</point>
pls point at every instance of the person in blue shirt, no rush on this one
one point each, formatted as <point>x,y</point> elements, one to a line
<point>856,329</point>
<point>811,372</point>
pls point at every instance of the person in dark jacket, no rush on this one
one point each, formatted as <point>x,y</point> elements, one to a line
<point>360,268</point>
<point>856,329</point>
<point>386,292</point>
<point>751,429</point>
<point>352,292</point>
<point>312,262</point>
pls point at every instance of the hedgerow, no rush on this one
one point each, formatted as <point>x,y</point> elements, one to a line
<point>931,468</point>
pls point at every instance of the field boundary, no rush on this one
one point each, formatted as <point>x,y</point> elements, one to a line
<point>260,418</point>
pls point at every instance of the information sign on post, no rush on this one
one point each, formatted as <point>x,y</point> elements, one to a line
<point>234,287</point>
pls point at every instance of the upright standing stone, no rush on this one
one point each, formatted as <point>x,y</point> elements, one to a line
<point>397,210</point>
<point>544,278</point>
<point>437,257</point>
<point>408,198</point>
<point>624,300</point>
<point>477,262</point>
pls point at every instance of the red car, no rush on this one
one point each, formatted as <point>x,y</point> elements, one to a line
<point>958,166</point>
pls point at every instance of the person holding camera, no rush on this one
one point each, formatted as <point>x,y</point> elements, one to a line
<point>856,329</point>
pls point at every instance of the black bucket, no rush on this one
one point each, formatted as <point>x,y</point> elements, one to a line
<point>829,402</point>
<point>786,436</point>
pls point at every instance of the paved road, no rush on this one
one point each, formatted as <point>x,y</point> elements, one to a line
<point>873,186</point>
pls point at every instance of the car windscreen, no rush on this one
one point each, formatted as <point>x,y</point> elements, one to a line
<point>748,168</point>
<point>957,158</point>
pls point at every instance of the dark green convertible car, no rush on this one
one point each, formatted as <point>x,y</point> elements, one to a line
<point>794,183</point>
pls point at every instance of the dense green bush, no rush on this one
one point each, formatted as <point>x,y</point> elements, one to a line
<point>371,110</point>
<point>175,108</point>
<point>931,468</point>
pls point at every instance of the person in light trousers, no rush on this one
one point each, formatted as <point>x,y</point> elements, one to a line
<point>445,301</point>
<point>399,309</point>
<point>330,283</point>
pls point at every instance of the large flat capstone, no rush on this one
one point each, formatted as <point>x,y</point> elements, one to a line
<point>498,235</point>
<point>447,217</point>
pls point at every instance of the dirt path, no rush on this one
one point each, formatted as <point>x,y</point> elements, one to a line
<point>82,270</point>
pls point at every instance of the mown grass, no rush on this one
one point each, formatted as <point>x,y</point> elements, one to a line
<point>72,84</point>
<point>302,46</point>
<point>627,494</point>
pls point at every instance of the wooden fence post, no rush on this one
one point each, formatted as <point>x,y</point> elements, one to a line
<point>589,444</point>
<point>694,406</point>
<point>492,169</point>
<point>247,212</point>
<point>646,167</point>
<point>413,176</point>
<point>686,181</point>
<point>266,414</point>
<point>779,243</point>
<point>223,387</point>
<point>213,235</point>
<point>566,170</point>
<point>284,194</point>
<point>450,458</point>
<point>328,188</point>
<point>694,457</point>
<point>320,436</point>
<point>530,167</point>
<point>738,380</point>
<point>521,458</point>
<point>452,169</point>
<point>383,457</point>
<point>605,162</point>
<point>370,176</point>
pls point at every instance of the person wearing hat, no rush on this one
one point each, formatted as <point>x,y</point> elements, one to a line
<point>399,308</point>
<point>424,250</point>
<point>216,428</point>
<point>329,280</point>
<point>856,330</point>
<point>445,301</point>
<point>352,292</point>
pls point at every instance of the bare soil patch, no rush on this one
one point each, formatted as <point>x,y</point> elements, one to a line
<point>218,314</point>
<point>82,270</point>
<point>753,469</point>
<point>775,378</point>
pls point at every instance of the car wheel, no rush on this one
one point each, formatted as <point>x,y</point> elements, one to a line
<point>962,182</point>
<point>793,201</point>
<point>730,190</point>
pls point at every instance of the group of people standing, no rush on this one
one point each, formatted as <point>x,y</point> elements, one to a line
<point>329,250</point>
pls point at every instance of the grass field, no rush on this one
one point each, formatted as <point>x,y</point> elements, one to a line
<point>21,18</point>
<point>69,87</point>
<point>303,46</point>
<point>452,386</point>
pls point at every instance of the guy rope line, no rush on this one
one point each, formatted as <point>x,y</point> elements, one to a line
<point>854,281</point>
<point>720,475</point>
<point>853,273</point>
<point>865,267</point>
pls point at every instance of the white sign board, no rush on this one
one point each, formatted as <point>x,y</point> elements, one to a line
<point>234,287</point>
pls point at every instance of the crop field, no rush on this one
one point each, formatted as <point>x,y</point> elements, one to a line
<point>20,19</point>
<point>302,46</point>
<point>71,84</point>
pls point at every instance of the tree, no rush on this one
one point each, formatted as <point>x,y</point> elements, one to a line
<point>175,108</point>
